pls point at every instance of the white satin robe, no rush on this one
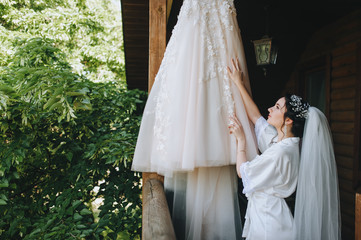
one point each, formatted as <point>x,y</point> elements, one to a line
<point>267,180</point>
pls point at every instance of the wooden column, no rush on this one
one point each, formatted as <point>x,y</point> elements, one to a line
<point>157,36</point>
<point>156,220</point>
<point>157,45</point>
<point>358,215</point>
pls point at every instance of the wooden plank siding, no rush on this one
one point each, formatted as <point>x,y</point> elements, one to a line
<point>136,42</point>
<point>341,42</point>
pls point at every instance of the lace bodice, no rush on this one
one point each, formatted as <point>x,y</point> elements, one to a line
<point>201,10</point>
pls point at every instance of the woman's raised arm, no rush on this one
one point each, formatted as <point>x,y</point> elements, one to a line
<point>236,75</point>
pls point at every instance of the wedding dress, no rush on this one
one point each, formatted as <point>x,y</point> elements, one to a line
<point>184,131</point>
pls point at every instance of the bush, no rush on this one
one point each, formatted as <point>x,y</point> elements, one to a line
<point>66,142</point>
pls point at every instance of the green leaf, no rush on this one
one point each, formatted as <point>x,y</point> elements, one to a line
<point>38,230</point>
<point>6,89</point>
<point>85,211</point>
<point>16,175</point>
<point>50,235</point>
<point>4,184</point>
<point>81,226</point>
<point>56,228</point>
<point>69,156</point>
<point>49,222</point>
<point>77,217</point>
<point>51,102</point>
<point>73,94</point>
<point>2,202</point>
<point>2,196</point>
<point>76,203</point>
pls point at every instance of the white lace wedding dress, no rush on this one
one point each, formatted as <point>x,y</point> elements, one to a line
<point>184,131</point>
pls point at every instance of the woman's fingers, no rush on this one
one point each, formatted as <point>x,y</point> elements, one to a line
<point>238,65</point>
<point>231,129</point>
<point>232,126</point>
<point>232,120</point>
<point>235,120</point>
<point>234,64</point>
<point>229,70</point>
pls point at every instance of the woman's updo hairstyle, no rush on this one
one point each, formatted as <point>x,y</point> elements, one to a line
<point>297,110</point>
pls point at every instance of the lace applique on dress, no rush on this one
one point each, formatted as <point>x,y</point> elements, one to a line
<point>214,19</point>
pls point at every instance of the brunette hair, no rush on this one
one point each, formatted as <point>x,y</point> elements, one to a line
<point>296,110</point>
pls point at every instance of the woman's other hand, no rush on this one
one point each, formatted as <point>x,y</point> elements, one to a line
<point>236,129</point>
<point>236,74</point>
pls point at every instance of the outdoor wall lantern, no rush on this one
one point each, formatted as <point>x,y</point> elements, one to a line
<point>264,48</point>
<point>266,53</point>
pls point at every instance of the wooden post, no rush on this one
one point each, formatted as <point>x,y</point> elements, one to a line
<point>358,215</point>
<point>157,36</point>
<point>157,45</point>
<point>156,220</point>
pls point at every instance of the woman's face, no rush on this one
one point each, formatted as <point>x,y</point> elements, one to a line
<point>276,113</point>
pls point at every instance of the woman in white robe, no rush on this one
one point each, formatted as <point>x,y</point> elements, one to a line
<point>273,176</point>
<point>268,180</point>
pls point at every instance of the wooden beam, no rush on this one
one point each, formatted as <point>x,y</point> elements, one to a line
<point>157,223</point>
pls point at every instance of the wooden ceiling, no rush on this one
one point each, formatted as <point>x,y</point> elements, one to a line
<point>290,23</point>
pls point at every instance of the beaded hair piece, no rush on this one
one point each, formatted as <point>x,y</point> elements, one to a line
<point>298,107</point>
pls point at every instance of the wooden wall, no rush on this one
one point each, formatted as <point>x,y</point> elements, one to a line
<point>136,42</point>
<point>339,44</point>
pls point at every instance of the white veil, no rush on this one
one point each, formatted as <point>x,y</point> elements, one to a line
<point>317,208</point>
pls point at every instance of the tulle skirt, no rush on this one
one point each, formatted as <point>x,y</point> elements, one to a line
<point>204,204</point>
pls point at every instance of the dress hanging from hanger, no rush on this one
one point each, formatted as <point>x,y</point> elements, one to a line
<point>184,130</point>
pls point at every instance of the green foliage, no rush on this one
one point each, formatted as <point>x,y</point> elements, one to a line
<point>66,143</point>
<point>89,32</point>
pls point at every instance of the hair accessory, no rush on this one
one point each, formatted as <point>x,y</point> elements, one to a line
<point>298,107</point>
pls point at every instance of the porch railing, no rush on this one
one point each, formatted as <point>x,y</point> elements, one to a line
<point>157,223</point>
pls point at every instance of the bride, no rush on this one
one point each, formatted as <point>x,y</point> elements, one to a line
<point>274,175</point>
<point>184,135</point>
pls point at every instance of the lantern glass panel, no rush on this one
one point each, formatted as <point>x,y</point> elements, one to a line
<point>263,50</point>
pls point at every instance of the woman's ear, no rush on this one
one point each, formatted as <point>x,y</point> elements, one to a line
<point>288,121</point>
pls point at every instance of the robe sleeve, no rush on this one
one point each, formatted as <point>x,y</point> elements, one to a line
<point>270,170</point>
<point>265,134</point>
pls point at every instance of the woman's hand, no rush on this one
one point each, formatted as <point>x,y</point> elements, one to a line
<point>236,74</point>
<point>236,129</point>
